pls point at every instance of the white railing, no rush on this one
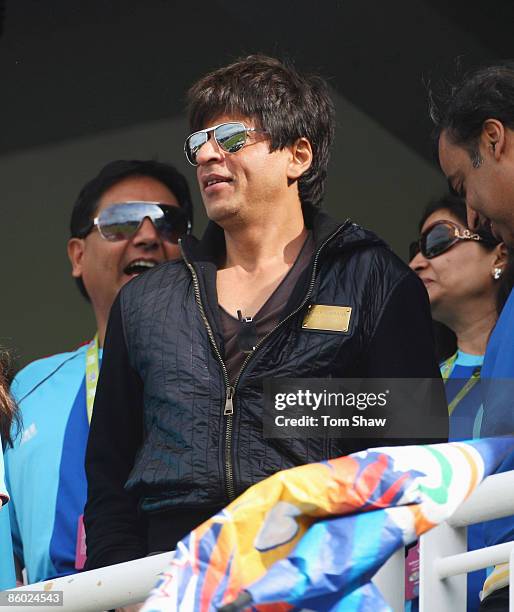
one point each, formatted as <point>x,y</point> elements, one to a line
<point>444,563</point>
<point>444,560</point>
<point>102,589</point>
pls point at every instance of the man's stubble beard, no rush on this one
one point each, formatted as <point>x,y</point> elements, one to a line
<point>225,215</point>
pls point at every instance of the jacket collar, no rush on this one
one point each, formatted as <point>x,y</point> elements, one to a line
<point>211,247</point>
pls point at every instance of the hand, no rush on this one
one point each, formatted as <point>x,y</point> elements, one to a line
<point>132,608</point>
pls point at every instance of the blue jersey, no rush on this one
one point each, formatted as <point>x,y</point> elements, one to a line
<point>45,469</point>
<point>466,416</point>
<point>465,423</point>
<point>498,377</point>
<point>7,575</point>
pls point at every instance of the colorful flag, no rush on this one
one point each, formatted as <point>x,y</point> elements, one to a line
<point>313,537</point>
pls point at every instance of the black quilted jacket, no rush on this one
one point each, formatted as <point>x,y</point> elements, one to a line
<point>164,437</point>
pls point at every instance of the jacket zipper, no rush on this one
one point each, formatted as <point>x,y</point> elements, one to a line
<point>230,390</point>
<point>228,411</point>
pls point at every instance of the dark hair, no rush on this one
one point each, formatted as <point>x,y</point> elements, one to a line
<point>485,93</point>
<point>85,206</point>
<point>9,413</point>
<point>457,207</point>
<point>283,102</point>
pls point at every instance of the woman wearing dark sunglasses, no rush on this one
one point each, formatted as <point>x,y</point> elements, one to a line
<point>468,278</point>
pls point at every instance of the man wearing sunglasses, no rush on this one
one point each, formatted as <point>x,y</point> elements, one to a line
<point>274,289</point>
<point>125,221</point>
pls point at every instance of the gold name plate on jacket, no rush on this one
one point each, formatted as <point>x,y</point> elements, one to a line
<point>327,318</point>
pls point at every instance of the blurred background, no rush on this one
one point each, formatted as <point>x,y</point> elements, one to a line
<point>83,83</point>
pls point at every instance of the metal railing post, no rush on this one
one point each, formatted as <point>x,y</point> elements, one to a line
<point>390,580</point>
<point>448,595</point>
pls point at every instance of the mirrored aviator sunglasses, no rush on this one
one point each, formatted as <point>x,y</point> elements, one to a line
<point>439,237</point>
<point>122,221</point>
<point>231,137</point>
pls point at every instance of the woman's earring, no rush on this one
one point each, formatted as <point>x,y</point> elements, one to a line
<point>497,272</point>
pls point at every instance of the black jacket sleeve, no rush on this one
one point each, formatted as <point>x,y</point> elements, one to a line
<point>114,529</point>
<point>402,346</point>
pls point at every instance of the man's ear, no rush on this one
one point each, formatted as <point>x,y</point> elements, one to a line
<point>493,137</point>
<point>75,249</point>
<point>301,159</point>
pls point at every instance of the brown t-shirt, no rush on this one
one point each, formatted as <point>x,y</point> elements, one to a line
<point>239,336</point>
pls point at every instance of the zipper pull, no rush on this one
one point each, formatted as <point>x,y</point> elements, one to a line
<point>229,405</point>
